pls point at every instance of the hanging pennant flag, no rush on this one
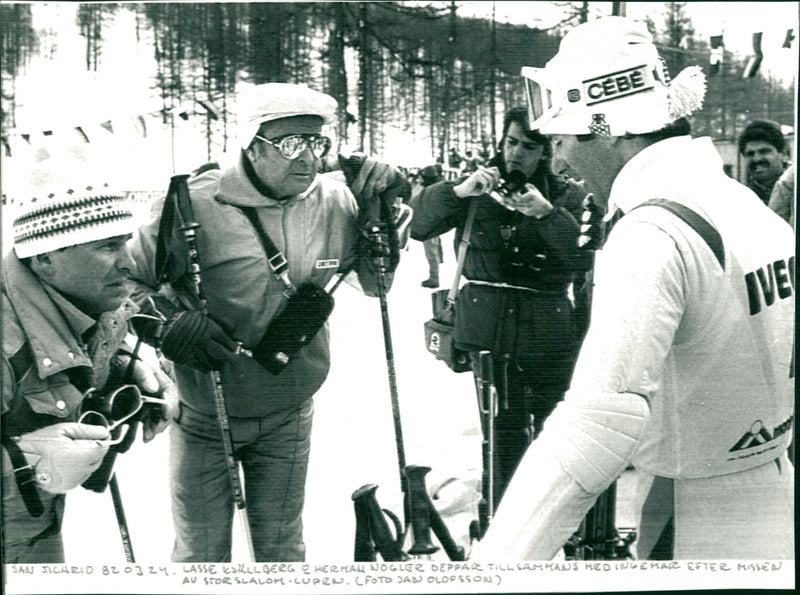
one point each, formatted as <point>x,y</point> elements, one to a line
<point>787,42</point>
<point>717,50</point>
<point>82,134</point>
<point>139,125</point>
<point>753,62</point>
<point>213,111</point>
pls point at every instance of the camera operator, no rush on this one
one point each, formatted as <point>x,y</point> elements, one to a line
<point>522,258</point>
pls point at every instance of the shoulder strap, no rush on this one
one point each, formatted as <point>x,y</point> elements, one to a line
<point>703,228</point>
<point>462,249</point>
<point>275,258</point>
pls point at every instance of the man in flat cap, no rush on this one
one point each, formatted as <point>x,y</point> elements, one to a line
<point>687,368</point>
<point>64,318</point>
<point>318,224</point>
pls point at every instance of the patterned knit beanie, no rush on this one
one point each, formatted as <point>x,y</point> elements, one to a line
<point>64,204</point>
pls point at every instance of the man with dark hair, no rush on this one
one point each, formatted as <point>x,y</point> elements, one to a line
<point>522,258</point>
<point>687,367</point>
<point>764,150</point>
<point>321,227</point>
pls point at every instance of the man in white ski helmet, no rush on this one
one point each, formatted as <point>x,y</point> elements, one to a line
<point>687,368</point>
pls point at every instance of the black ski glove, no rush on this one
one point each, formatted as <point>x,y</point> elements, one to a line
<point>195,340</point>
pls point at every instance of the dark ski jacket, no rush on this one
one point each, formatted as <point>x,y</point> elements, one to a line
<point>519,267</point>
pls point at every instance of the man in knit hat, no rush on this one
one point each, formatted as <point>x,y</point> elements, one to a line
<point>687,367</point>
<point>65,315</point>
<point>765,156</point>
<point>318,223</point>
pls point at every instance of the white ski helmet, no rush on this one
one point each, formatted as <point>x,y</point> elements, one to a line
<point>607,78</point>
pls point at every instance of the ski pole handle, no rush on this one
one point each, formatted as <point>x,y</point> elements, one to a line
<point>364,547</point>
<point>367,508</point>
<point>419,511</point>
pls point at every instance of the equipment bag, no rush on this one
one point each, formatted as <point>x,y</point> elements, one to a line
<point>304,313</point>
<point>440,329</point>
<point>439,335</point>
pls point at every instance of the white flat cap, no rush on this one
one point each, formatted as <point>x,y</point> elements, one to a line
<point>272,101</point>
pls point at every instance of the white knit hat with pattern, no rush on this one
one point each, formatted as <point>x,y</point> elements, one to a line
<point>272,101</point>
<point>65,204</point>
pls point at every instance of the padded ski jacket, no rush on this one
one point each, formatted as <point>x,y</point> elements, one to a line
<point>47,366</point>
<point>318,234</point>
<point>516,302</point>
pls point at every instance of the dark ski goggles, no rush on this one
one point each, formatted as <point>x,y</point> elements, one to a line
<point>291,146</point>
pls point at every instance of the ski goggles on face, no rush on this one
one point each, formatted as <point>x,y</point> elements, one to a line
<point>111,411</point>
<point>291,146</point>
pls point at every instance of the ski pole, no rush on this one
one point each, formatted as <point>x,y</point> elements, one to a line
<point>387,341</point>
<point>119,511</point>
<point>179,188</point>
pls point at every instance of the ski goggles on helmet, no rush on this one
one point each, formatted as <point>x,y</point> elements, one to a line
<point>112,410</point>
<point>291,146</point>
<point>542,95</point>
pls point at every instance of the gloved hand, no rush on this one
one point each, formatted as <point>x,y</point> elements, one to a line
<point>64,455</point>
<point>195,340</point>
<point>592,228</point>
<point>153,382</point>
<point>375,185</point>
<point>481,181</point>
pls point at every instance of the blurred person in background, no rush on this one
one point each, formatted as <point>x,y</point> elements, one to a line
<point>522,259</point>
<point>783,199</point>
<point>765,155</point>
<point>429,175</point>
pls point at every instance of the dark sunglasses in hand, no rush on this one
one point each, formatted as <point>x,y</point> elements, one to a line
<point>110,411</point>
<point>291,146</point>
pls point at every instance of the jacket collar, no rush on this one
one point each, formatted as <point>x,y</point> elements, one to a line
<point>52,325</point>
<point>237,187</point>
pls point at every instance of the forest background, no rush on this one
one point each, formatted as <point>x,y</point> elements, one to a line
<point>412,78</point>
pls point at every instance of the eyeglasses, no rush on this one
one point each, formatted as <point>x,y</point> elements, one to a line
<point>111,411</point>
<point>291,146</point>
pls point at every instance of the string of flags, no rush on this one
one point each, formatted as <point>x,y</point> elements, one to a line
<point>142,124</point>
<point>754,60</point>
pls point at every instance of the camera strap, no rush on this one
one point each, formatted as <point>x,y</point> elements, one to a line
<point>462,252</point>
